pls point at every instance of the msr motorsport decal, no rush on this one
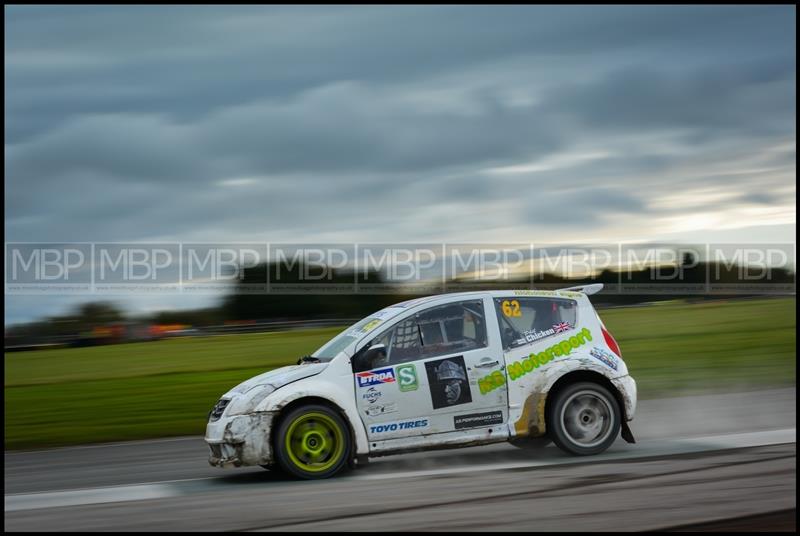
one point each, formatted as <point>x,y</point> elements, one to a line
<point>448,382</point>
<point>533,361</point>
<point>478,419</point>
<point>561,348</point>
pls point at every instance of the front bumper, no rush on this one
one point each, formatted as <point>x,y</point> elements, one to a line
<point>240,440</point>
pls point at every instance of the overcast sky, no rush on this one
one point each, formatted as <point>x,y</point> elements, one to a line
<point>342,124</point>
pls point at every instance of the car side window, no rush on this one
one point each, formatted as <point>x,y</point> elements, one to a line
<point>404,344</point>
<point>528,320</point>
<point>445,329</point>
<point>451,328</point>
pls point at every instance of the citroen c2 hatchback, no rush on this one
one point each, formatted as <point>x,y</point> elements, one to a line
<point>445,371</point>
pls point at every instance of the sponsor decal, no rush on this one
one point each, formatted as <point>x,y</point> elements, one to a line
<point>562,327</point>
<point>561,348</point>
<point>384,313</point>
<point>448,381</point>
<point>366,328</point>
<point>533,335</point>
<point>380,409</point>
<point>372,395</point>
<point>478,419</point>
<point>395,426</point>
<point>493,381</point>
<point>606,357</point>
<point>567,293</point>
<point>511,308</point>
<point>375,377</point>
<point>407,377</point>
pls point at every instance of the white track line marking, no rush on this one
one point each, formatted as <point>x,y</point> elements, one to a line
<point>53,499</point>
<point>170,488</point>
<point>199,440</point>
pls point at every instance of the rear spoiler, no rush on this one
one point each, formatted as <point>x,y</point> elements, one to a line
<point>586,289</point>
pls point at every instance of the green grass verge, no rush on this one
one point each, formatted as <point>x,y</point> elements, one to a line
<point>679,348</point>
<point>170,356</point>
<point>166,388</point>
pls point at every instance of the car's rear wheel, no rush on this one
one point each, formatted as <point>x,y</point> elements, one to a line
<point>312,442</point>
<point>584,418</point>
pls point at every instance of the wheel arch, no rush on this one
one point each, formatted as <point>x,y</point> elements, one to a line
<point>576,376</point>
<point>284,410</point>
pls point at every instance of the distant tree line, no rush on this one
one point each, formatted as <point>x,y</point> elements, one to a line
<point>243,306</point>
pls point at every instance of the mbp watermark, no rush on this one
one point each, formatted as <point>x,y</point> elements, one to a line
<point>384,268</point>
<point>483,266</point>
<point>407,269</point>
<point>552,265</point>
<point>223,267</point>
<point>42,268</point>
<point>745,268</point>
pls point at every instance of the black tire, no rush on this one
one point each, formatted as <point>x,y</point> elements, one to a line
<point>531,443</point>
<point>583,419</point>
<point>304,418</point>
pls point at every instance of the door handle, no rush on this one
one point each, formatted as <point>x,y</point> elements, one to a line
<point>486,364</point>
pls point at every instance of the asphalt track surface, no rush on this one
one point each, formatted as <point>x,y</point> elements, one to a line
<point>702,461</point>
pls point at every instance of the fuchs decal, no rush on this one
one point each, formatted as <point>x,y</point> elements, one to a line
<point>372,395</point>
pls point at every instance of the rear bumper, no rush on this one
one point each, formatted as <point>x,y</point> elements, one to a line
<point>240,440</point>
<point>626,385</point>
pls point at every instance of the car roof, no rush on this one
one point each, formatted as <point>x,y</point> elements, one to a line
<point>559,293</point>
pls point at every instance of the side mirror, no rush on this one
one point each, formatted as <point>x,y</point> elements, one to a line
<point>376,351</point>
<point>370,356</point>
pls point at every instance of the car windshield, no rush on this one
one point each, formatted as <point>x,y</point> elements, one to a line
<point>333,347</point>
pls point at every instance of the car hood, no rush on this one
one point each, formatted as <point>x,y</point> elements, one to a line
<point>279,377</point>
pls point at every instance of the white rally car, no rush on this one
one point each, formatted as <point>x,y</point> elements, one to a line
<point>444,371</point>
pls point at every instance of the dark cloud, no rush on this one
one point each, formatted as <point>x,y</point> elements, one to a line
<point>754,98</point>
<point>389,122</point>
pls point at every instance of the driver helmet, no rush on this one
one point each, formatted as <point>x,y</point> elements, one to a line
<point>450,371</point>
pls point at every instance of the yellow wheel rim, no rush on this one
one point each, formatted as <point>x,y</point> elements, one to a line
<point>314,442</point>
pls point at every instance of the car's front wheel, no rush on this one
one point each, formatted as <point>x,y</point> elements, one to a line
<point>584,418</point>
<point>312,442</point>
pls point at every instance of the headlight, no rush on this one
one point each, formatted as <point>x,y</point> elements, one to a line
<point>249,401</point>
<point>218,409</point>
